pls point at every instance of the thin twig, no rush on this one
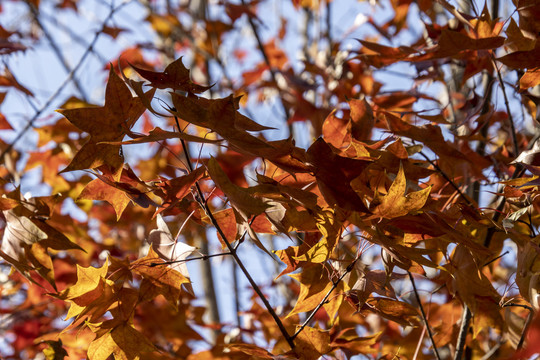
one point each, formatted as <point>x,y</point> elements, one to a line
<point>463,330</point>
<point>430,334</point>
<point>527,322</point>
<point>513,133</point>
<point>202,257</point>
<point>447,178</point>
<point>270,68</point>
<point>56,49</point>
<point>69,77</point>
<point>496,258</point>
<point>204,203</point>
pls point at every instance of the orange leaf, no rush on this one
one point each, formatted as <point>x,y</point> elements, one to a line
<point>88,279</point>
<point>162,278</point>
<point>124,341</point>
<point>334,174</point>
<point>314,284</point>
<point>530,79</point>
<point>240,198</point>
<point>99,190</point>
<point>362,120</point>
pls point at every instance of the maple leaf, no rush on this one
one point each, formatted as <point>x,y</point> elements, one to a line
<point>240,198</point>
<point>88,279</point>
<point>90,297</point>
<point>330,229</point>
<point>123,341</point>
<point>394,310</point>
<point>26,241</point>
<point>117,193</point>
<point>314,284</point>
<point>168,248</point>
<point>158,278</point>
<point>243,202</point>
<point>222,116</point>
<point>312,343</point>
<point>159,134</point>
<point>175,76</point>
<point>395,203</point>
<point>109,123</point>
<point>334,174</point>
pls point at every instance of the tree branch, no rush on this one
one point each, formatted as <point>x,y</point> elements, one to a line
<point>271,69</point>
<point>56,49</point>
<point>233,251</point>
<point>69,77</point>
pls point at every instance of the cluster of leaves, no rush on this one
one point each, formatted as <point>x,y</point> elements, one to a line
<point>386,195</point>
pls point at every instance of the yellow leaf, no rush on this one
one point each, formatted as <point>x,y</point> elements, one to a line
<point>124,342</point>
<point>312,343</point>
<point>88,279</point>
<point>102,347</point>
<point>396,203</point>
<point>331,232</point>
<point>314,285</point>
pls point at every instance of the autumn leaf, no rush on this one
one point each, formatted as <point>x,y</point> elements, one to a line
<point>88,279</point>
<point>330,230</point>
<point>117,192</point>
<point>169,249</point>
<point>395,203</point>
<point>312,343</point>
<point>108,123</point>
<point>394,310</point>
<point>175,76</point>
<point>334,174</point>
<point>314,285</point>
<point>25,243</point>
<point>222,116</point>
<point>240,198</point>
<point>97,189</point>
<point>160,278</point>
<point>124,342</point>
<point>159,134</point>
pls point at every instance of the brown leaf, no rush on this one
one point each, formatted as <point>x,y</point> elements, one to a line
<point>398,311</point>
<point>240,198</point>
<point>175,76</point>
<point>334,174</point>
<point>108,123</point>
